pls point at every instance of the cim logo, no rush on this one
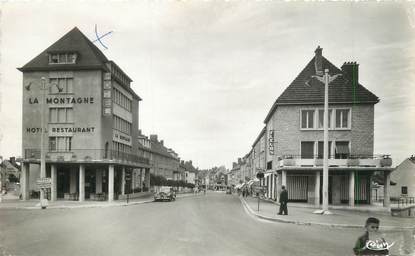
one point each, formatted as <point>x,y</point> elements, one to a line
<point>378,245</point>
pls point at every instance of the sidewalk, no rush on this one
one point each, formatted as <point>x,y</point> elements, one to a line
<point>341,218</point>
<point>66,204</point>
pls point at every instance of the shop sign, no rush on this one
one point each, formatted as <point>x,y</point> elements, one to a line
<point>61,130</point>
<point>44,183</point>
<point>260,189</point>
<point>271,142</point>
<point>107,111</point>
<point>121,138</point>
<point>107,97</point>
<point>107,76</point>
<point>63,100</point>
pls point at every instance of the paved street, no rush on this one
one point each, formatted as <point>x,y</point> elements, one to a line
<point>215,224</point>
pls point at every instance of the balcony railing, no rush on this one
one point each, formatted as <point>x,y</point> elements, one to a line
<point>345,161</point>
<point>87,155</point>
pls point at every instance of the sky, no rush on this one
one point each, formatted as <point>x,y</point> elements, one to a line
<point>209,71</point>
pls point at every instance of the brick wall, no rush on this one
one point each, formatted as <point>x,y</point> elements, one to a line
<point>288,135</point>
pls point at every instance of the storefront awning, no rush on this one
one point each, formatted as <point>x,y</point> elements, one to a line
<point>253,182</point>
<point>240,185</point>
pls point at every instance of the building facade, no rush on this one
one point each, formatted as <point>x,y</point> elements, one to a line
<point>294,130</point>
<point>258,153</point>
<point>81,106</point>
<point>404,177</point>
<point>289,150</point>
<point>163,161</point>
<point>190,172</point>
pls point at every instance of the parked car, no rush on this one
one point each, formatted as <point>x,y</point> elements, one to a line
<point>164,193</point>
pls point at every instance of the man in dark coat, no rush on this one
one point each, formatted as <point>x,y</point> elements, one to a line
<point>283,201</point>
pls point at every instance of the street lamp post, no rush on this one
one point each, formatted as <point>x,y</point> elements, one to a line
<point>326,144</point>
<point>42,139</point>
<point>327,79</point>
<point>42,182</point>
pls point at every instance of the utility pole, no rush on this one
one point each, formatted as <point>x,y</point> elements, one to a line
<point>1,178</point>
<point>326,79</point>
<point>326,144</point>
<point>42,138</point>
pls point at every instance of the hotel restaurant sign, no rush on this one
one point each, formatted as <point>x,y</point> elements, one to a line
<point>62,129</point>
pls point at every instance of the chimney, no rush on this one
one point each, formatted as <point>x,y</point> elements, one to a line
<point>318,61</point>
<point>233,165</point>
<point>351,72</point>
<point>153,137</point>
<point>162,142</point>
<point>239,160</point>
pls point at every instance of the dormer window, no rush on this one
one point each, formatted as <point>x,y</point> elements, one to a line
<point>62,58</point>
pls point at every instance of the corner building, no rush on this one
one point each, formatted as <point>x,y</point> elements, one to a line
<point>294,135</point>
<point>90,123</point>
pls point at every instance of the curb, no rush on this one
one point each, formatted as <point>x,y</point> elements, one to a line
<point>88,205</point>
<point>378,211</point>
<point>305,223</point>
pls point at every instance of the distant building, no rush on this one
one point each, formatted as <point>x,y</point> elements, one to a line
<point>180,174</point>
<point>235,175</point>
<point>9,170</point>
<point>404,177</point>
<point>163,161</point>
<point>258,153</point>
<point>190,172</point>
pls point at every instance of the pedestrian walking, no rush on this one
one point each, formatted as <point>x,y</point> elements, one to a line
<point>283,201</point>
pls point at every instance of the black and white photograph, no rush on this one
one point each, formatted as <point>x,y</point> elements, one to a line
<point>207,127</point>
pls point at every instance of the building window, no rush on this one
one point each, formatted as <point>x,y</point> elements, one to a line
<point>119,147</point>
<point>307,119</point>
<point>321,150</point>
<point>60,144</point>
<point>60,115</point>
<point>342,118</point>
<point>61,85</point>
<point>72,58</point>
<point>121,125</point>
<point>120,99</point>
<point>52,143</point>
<point>307,149</point>
<point>62,58</point>
<point>269,165</point>
<point>53,58</point>
<point>404,190</point>
<point>342,150</point>
<point>321,118</point>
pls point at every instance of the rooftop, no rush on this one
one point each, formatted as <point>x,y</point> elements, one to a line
<point>306,89</point>
<point>89,57</point>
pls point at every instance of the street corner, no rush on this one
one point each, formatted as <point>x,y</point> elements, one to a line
<point>272,216</point>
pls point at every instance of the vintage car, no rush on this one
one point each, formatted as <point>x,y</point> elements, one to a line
<point>164,193</point>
